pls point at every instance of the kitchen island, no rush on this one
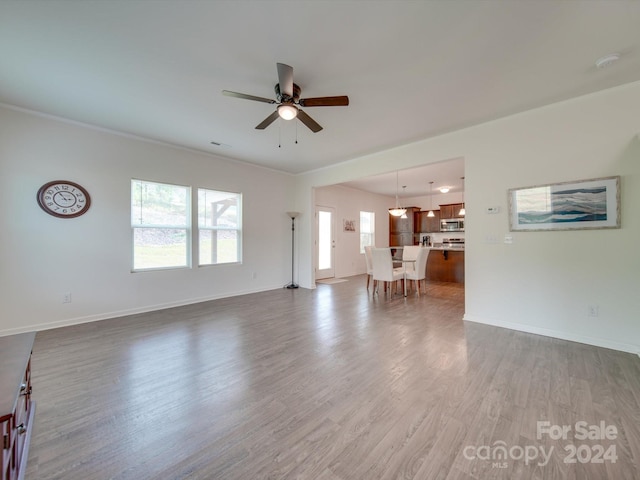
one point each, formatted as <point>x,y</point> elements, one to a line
<point>445,264</point>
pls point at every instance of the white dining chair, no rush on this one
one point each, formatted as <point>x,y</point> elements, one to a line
<point>369,262</point>
<point>383,270</point>
<point>419,272</point>
<point>410,252</point>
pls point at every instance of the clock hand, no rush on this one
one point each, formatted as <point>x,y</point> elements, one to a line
<point>69,198</point>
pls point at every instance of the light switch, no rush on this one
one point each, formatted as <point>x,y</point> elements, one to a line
<point>492,210</point>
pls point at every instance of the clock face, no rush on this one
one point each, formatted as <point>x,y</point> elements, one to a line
<point>63,199</point>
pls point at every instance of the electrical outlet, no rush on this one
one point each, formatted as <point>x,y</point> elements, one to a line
<point>66,298</point>
<point>593,310</point>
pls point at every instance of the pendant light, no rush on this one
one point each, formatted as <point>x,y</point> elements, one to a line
<point>462,211</point>
<point>431,214</point>
<point>404,215</point>
<point>397,212</point>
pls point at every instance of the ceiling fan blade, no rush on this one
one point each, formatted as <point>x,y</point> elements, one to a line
<point>268,121</point>
<point>309,122</point>
<point>247,97</point>
<point>341,101</point>
<point>285,79</point>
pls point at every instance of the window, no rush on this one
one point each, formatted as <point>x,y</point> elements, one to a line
<point>220,227</point>
<point>160,216</point>
<point>367,230</point>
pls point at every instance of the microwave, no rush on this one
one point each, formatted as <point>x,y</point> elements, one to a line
<point>452,225</point>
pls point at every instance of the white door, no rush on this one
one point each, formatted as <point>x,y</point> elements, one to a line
<point>325,242</point>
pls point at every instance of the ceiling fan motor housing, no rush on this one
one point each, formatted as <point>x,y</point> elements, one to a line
<point>284,98</point>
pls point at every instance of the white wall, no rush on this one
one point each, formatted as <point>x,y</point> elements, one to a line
<point>541,283</point>
<point>544,281</point>
<point>42,257</point>
<point>348,203</point>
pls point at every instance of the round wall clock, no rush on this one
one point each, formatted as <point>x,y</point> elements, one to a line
<point>63,199</point>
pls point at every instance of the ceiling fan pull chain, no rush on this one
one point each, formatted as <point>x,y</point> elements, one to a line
<point>280,134</point>
<point>296,131</point>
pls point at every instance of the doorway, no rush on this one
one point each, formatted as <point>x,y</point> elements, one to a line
<point>325,242</point>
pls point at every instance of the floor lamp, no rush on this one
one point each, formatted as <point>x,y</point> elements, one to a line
<point>293,216</point>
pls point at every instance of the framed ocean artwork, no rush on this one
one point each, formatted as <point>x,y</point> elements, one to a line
<point>583,204</point>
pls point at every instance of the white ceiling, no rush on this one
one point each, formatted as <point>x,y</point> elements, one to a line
<point>412,69</point>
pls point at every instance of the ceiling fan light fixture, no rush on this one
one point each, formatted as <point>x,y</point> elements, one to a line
<point>288,99</point>
<point>444,189</point>
<point>287,111</point>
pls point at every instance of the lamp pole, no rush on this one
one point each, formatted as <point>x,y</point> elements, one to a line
<point>293,216</point>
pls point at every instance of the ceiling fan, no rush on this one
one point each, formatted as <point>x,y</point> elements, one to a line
<point>288,101</point>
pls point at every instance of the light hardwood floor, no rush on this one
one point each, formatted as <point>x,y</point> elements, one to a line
<point>331,384</point>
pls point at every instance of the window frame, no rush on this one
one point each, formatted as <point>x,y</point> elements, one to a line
<point>372,233</point>
<point>238,228</point>
<point>187,228</point>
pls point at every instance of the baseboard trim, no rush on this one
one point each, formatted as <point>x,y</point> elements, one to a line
<point>123,313</point>
<point>572,337</point>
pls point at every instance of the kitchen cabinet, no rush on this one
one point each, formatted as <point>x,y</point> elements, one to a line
<point>403,225</point>
<point>400,239</point>
<point>402,230</point>
<point>428,224</point>
<point>450,210</point>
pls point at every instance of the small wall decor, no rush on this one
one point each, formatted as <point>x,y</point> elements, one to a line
<point>583,204</point>
<point>349,225</point>
<point>63,199</point>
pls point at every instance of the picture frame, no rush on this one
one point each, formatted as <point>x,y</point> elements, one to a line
<point>349,225</point>
<point>578,205</point>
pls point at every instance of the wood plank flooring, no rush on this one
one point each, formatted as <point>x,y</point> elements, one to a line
<point>330,384</point>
